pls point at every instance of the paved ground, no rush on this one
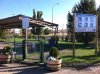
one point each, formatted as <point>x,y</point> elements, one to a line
<point>24,69</point>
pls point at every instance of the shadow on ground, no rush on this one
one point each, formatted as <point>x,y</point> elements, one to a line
<point>27,70</point>
<point>35,70</point>
<point>21,69</point>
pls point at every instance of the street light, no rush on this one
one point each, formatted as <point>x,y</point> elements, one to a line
<point>14,34</point>
<point>52,10</point>
<point>52,14</point>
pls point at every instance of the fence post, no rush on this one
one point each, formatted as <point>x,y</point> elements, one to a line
<point>41,51</point>
<point>23,50</point>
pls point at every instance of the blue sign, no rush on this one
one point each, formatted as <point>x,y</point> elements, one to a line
<point>25,22</point>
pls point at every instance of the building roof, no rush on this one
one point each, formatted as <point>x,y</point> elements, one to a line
<point>16,22</point>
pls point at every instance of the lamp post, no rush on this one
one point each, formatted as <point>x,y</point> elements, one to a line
<point>52,14</point>
<point>14,36</point>
<point>14,49</point>
<point>52,10</point>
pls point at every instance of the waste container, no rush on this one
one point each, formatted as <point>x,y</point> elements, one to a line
<point>53,43</point>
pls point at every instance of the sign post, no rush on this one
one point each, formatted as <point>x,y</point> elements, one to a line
<point>25,25</point>
<point>85,23</point>
<point>96,35</point>
<point>74,37</point>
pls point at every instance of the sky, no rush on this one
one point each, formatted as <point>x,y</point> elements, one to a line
<point>14,7</point>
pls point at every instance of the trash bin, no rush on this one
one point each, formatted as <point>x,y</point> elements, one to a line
<point>53,43</point>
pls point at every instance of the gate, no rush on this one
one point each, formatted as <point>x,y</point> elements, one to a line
<point>35,49</point>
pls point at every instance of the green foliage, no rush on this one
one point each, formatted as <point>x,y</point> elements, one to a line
<point>39,30</point>
<point>7,50</point>
<point>98,13</point>
<point>34,14</point>
<point>36,30</point>
<point>54,52</point>
<point>47,31</point>
<point>1,33</point>
<point>85,7</point>
<point>39,15</point>
<point>5,34</point>
<point>85,37</point>
<point>56,38</point>
<point>16,35</point>
<point>70,23</point>
<point>23,32</point>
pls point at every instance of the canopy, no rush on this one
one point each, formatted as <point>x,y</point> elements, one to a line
<point>16,22</point>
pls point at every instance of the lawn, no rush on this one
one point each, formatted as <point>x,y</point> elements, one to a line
<point>83,53</point>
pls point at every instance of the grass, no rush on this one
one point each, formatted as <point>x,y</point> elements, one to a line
<point>81,56</point>
<point>83,53</point>
<point>82,59</point>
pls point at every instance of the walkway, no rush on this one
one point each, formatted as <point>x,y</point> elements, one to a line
<point>24,69</point>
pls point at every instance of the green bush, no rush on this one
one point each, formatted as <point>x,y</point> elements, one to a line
<point>55,38</point>
<point>7,50</point>
<point>54,52</point>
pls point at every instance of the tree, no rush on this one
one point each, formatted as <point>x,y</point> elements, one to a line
<point>24,32</point>
<point>98,13</point>
<point>70,26</point>
<point>37,30</point>
<point>70,23</point>
<point>85,7</point>
<point>5,34</point>
<point>1,33</point>
<point>34,14</point>
<point>47,31</point>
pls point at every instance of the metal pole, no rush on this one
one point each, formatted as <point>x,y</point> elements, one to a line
<point>14,40</point>
<point>52,15</point>
<point>12,50</point>
<point>96,35</point>
<point>14,45</point>
<point>74,36</point>
<point>25,43</point>
<point>41,51</point>
<point>52,20</point>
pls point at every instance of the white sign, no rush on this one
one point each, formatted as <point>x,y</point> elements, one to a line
<point>25,22</point>
<point>85,22</point>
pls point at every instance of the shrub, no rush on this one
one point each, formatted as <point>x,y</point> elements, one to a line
<point>55,38</point>
<point>7,50</point>
<point>54,52</point>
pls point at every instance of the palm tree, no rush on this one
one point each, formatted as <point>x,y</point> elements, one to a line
<point>38,16</point>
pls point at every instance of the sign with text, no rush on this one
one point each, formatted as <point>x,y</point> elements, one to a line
<point>85,22</point>
<point>25,22</point>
